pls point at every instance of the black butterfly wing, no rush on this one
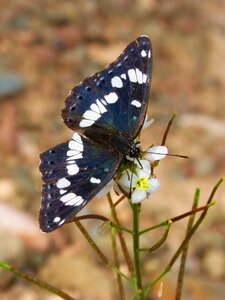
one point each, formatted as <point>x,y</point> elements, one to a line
<point>73,172</point>
<point>116,98</point>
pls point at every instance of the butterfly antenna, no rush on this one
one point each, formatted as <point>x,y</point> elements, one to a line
<point>131,178</point>
<point>139,162</point>
<point>169,154</point>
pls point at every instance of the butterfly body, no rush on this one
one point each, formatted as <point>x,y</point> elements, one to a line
<point>106,111</point>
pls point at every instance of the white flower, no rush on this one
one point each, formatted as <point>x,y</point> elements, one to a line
<point>141,184</point>
<point>144,187</point>
<point>156,153</point>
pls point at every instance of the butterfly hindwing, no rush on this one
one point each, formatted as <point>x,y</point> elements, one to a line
<point>73,172</point>
<point>116,98</point>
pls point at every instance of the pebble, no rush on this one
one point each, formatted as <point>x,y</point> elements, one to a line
<point>11,84</point>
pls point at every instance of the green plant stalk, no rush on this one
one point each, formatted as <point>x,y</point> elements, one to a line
<point>98,251</point>
<point>100,254</point>
<point>175,219</point>
<point>161,241</point>
<point>121,236</point>
<point>117,264</point>
<point>187,239</point>
<point>136,236</point>
<point>185,251</point>
<point>36,281</point>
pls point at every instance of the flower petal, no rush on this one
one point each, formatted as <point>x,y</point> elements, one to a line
<point>145,171</point>
<point>156,153</point>
<point>138,196</point>
<point>126,178</point>
<point>154,185</point>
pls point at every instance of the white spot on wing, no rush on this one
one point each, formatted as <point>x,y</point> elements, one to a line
<point>103,101</point>
<point>101,107</point>
<point>136,103</point>
<point>95,108</point>
<point>139,76</point>
<point>62,191</point>
<point>149,54</point>
<point>95,180</point>
<point>77,200</point>
<point>60,223</point>
<point>73,145</point>
<point>132,75</point>
<point>76,156</point>
<point>62,183</point>
<point>73,153</point>
<point>111,98</point>
<point>70,162</point>
<point>143,53</point>
<point>144,78</point>
<point>72,169</point>
<point>91,115</point>
<point>56,219</point>
<point>116,82</point>
<point>67,197</point>
<point>71,199</point>
<point>124,76</point>
<point>76,137</point>
<point>86,123</point>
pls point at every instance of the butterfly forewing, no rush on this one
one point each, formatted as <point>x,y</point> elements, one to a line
<point>73,172</point>
<point>115,99</point>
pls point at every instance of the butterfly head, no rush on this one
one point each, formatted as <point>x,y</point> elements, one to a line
<point>134,151</point>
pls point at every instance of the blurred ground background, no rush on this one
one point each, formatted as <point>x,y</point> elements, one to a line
<point>47,47</point>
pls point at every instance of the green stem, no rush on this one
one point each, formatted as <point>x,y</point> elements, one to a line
<point>187,239</point>
<point>36,281</point>
<point>121,236</point>
<point>117,264</point>
<point>185,251</point>
<point>161,241</point>
<point>175,219</point>
<point>92,243</point>
<point>139,287</point>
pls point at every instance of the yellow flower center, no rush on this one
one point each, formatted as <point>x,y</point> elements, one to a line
<point>142,184</point>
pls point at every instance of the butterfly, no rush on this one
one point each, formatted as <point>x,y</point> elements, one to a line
<point>107,111</point>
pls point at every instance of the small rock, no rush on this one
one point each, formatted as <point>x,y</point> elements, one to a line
<point>11,84</point>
